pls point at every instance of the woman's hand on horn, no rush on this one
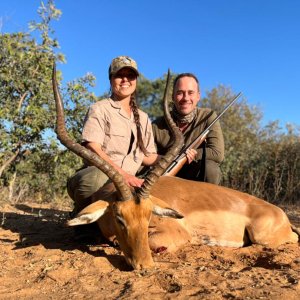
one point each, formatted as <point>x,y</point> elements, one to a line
<point>133,181</point>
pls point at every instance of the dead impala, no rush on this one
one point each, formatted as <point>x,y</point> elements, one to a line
<point>198,212</point>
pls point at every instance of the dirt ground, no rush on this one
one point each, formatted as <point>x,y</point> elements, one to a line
<point>39,259</point>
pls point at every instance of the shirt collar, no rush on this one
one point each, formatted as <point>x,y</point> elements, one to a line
<point>117,105</point>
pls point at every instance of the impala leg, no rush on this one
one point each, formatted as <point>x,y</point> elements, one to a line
<point>271,227</point>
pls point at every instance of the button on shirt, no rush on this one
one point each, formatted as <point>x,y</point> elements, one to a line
<point>109,125</point>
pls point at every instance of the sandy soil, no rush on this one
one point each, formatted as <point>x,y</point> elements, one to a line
<point>39,259</point>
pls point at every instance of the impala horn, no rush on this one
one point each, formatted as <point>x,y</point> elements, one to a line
<point>83,152</point>
<point>166,160</point>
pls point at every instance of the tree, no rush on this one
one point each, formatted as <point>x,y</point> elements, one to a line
<point>29,147</point>
<point>240,127</point>
<point>281,160</point>
<point>25,92</point>
<point>150,95</point>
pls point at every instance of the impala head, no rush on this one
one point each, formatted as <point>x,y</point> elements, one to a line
<point>131,220</point>
<point>130,211</point>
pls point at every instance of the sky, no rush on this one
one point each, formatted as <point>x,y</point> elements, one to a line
<point>250,46</point>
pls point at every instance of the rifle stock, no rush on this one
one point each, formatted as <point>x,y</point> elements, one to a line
<point>181,158</point>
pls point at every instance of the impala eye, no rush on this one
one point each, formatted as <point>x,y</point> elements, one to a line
<point>120,221</point>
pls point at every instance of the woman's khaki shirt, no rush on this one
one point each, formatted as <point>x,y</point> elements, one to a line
<point>107,124</point>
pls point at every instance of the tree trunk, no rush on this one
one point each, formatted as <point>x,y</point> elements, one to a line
<point>9,161</point>
<point>11,188</point>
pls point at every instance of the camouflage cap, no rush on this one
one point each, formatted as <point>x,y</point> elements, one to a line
<point>121,62</point>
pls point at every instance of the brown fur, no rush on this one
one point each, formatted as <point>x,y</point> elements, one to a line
<point>213,215</point>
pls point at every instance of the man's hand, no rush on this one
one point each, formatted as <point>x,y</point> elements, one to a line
<point>190,155</point>
<point>132,180</point>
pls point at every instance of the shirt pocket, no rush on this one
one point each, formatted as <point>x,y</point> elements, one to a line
<point>113,131</point>
<point>117,141</point>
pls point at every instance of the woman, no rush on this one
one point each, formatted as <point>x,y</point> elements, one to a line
<point>117,131</point>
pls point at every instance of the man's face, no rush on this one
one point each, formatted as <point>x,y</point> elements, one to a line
<point>186,95</point>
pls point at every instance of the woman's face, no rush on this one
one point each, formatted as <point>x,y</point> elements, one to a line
<point>123,83</point>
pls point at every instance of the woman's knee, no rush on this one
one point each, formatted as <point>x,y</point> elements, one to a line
<point>92,178</point>
<point>85,183</point>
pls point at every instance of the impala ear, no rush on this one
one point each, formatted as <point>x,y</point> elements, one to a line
<point>89,214</point>
<point>166,212</point>
<point>162,209</point>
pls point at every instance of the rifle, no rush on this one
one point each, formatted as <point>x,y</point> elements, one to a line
<point>181,158</point>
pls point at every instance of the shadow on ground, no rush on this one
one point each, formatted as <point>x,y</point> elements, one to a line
<point>44,226</point>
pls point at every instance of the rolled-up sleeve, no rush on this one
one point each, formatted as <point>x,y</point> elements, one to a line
<point>149,138</point>
<point>93,128</point>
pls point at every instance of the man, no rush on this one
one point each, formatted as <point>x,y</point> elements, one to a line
<point>203,164</point>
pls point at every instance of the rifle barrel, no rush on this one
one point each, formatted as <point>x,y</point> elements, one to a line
<point>205,131</point>
<point>224,110</point>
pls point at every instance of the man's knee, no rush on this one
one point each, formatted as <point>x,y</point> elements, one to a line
<point>212,172</point>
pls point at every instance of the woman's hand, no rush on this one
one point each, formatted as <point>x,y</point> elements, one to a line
<point>190,155</point>
<point>132,181</point>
